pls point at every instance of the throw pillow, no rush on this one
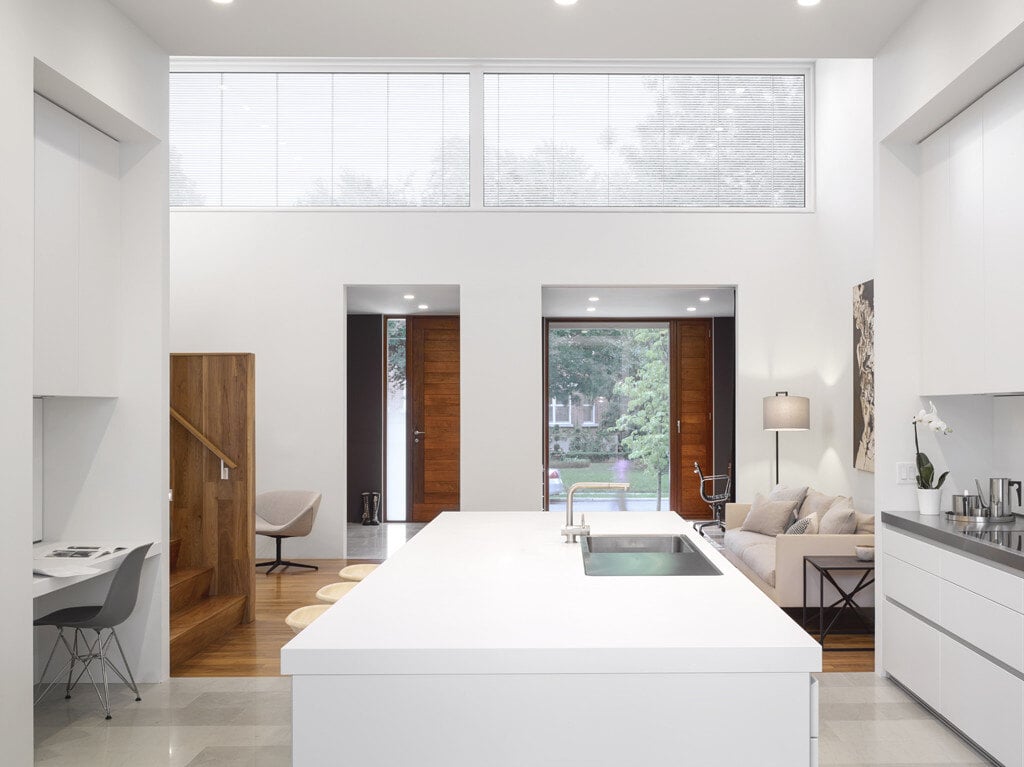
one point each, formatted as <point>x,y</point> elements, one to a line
<point>769,517</point>
<point>815,523</point>
<point>783,493</point>
<point>865,524</point>
<point>815,503</point>
<point>840,519</point>
<point>800,526</point>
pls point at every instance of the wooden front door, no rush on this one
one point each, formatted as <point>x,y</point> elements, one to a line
<point>432,353</point>
<point>692,407</point>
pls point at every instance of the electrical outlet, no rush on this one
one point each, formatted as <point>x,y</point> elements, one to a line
<point>906,473</point>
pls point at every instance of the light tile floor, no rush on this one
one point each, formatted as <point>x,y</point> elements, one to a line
<point>379,541</point>
<point>866,721</point>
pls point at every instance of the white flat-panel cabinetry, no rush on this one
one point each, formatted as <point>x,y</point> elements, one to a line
<point>77,256</point>
<point>971,266</point>
<point>953,634</point>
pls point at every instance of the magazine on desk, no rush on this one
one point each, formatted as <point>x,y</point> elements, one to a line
<point>68,561</point>
<point>82,552</point>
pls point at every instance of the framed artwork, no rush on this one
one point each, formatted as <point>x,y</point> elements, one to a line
<point>864,376</point>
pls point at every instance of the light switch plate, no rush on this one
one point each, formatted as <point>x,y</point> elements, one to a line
<point>906,473</point>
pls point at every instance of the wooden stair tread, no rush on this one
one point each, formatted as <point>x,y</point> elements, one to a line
<point>210,608</point>
<point>183,574</point>
<point>189,585</point>
<point>202,623</point>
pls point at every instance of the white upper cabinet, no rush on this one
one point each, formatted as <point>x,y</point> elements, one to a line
<point>1004,235</point>
<point>77,256</point>
<point>972,228</point>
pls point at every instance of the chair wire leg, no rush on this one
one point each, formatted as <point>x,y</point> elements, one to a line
<point>42,677</point>
<point>131,679</point>
<point>103,673</point>
<point>71,668</point>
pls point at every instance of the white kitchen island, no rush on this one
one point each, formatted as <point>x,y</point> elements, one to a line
<point>482,643</point>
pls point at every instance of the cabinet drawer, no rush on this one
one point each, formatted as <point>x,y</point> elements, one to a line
<point>987,580</point>
<point>911,653</point>
<point>926,556</point>
<point>984,701</point>
<point>913,587</point>
<point>990,627</point>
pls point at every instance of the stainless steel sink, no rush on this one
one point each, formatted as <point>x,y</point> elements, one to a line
<point>643,555</point>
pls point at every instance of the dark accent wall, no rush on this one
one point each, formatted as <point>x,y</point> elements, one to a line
<point>723,344</point>
<point>365,375</point>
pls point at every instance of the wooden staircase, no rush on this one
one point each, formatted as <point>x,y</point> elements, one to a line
<point>197,618</point>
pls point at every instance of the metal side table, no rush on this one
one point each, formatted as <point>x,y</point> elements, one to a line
<point>847,599</point>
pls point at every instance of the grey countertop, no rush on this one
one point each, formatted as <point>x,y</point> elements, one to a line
<point>972,539</point>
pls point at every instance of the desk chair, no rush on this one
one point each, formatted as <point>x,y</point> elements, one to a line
<point>115,610</point>
<point>715,491</point>
<point>285,514</point>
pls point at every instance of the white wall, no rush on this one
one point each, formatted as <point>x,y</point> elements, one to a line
<point>96,48</point>
<point>945,57</point>
<point>272,283</point>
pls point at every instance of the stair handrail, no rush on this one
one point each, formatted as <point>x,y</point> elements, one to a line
<point>203,439</point>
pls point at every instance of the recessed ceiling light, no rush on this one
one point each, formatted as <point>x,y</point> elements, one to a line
<point>691,308</point>
<point>591,308</point>
<point>594,298</point>
<point>408,296</point>
<point>705,298</point>
<point>807,3</point>
<point>223,2</point>
<point>566,2</point>
<point>423,306</point>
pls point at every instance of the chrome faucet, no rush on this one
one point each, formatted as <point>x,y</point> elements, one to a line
<point>572,531</point>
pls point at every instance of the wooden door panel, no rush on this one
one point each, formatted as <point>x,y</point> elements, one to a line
<point>692,440</point>
<point>433,383</point>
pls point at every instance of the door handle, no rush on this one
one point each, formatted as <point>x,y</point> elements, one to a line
<point>418,433</point>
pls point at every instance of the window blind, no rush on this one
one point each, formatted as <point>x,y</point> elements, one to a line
<point>309,139</point>
<point>635,140</point>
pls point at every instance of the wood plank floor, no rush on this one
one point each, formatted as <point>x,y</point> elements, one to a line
<point>253,649</point>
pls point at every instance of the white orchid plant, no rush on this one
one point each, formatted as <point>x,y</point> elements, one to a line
<point>925,470</point>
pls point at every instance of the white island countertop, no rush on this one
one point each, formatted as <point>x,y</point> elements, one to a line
<point>502,593</point>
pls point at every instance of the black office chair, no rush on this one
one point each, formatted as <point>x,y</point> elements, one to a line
<point>115,610</point>
<point>715,491</point>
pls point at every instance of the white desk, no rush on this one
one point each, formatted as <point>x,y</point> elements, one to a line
<point>45,584</point>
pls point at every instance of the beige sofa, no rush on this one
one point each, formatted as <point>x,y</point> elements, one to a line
<point>776,564</point>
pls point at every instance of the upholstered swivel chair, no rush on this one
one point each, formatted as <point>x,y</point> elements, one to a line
<point>115,610</point>
<point>285,514</point>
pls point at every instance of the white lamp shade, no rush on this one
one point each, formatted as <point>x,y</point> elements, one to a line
<point>785,413</point>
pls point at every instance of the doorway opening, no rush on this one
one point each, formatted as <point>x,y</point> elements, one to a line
<point>403,408</point>
<point>638,395</point>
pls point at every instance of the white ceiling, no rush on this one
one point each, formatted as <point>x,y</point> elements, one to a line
<point>533,29</point>
<point>388,299</point>
<point>636,302</point>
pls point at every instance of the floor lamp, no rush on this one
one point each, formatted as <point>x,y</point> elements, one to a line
<point>785,413</point>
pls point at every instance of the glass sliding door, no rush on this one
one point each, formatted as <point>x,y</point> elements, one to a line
<point>608,409</point>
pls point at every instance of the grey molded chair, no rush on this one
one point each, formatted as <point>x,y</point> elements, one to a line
<point>115,610</point>
<point>285,514</point>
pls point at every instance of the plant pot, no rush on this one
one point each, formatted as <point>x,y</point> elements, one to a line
<point>928,501</point>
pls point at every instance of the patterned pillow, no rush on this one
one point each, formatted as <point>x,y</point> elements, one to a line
<point>800,527</point>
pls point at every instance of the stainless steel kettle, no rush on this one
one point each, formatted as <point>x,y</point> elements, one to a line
<point>999,502</point>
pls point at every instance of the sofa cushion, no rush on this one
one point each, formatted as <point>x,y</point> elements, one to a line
<point>784,493</point>
<point>840,519</point>
<point>761,559</point>
<point>865,524</point>
<point>769,517</point>
<point>737,541</point>
<point>815,503</point>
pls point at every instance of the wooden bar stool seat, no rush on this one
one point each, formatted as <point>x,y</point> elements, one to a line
<point>332,592</point>
<point>300,618</point>
<point>356,572</point>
